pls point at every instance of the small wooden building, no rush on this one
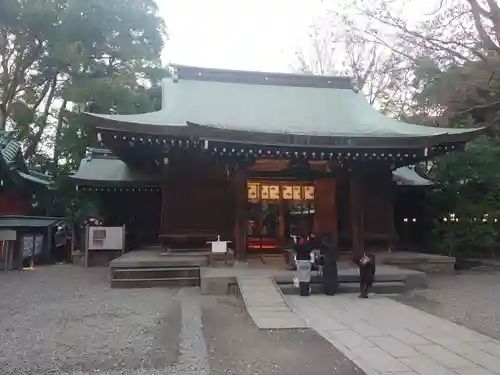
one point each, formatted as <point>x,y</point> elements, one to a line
<point>18,183</point>
<point>255,158</point>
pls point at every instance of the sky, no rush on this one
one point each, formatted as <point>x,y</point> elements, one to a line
<point>248,34</point>
<point>237,34</point>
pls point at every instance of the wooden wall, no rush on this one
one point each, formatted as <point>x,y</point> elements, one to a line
<point>13,204</point>
<point>197,196</point>
<point>377,205</point>
<point>378,211</point>
<point>325,207</point>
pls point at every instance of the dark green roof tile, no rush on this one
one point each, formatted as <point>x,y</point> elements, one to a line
<point>269,104</point>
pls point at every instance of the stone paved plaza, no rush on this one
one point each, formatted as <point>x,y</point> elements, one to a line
<point>66,320</point>
<point>385,337</point>
<point>470,298</point>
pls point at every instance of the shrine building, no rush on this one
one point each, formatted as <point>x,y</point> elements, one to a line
<point>255,158</point>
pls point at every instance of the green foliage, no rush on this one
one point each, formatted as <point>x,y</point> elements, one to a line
<point>464,96</point>
<point>468,188</point>
<point>59,57</point>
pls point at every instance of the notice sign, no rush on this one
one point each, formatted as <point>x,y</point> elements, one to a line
<point>105,238</point>
<point>98,237</point>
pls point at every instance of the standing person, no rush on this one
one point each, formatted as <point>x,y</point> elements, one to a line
<point>329,256</point>
<point>366,266</point>
<point>303,262</point>
<point>60,241</point>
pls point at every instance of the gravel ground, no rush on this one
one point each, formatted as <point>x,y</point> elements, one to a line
<point>237,347</point>
<point>66,320</point>
<point>470,298</point>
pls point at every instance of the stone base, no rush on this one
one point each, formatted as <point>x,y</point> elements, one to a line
<point>78,258</point>
<point>101,257</point>
<point>428,263</point>
<point>221,281</point>
<point>222,260</point>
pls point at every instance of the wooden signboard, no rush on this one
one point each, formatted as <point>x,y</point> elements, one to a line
<point>277,191</point>
<point>274,192</point>
<point>287,192</point>
<point>253,192</point>
<point>308,193</point>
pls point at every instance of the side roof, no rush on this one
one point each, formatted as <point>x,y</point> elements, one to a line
<point>102,168</point>
<point>13,164</point>
<point>208,102</point>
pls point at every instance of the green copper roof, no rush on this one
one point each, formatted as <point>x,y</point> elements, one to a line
<point>407,176</point>
<point>101,167</point>
<point>268,103</point>
<point>12,162</point>
<point>14,221</point>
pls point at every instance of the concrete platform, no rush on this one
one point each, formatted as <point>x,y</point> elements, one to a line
<point>152,258</point>
<point>220,281</point>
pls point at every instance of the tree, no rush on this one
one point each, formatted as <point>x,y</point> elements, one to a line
<point>454,51</point>
<point>337,48</point>
<point>60,55</point>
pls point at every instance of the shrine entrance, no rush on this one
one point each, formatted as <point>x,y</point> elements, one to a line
<point>278,210</point>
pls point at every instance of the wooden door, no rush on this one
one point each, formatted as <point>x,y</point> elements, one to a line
<point>325,208</point>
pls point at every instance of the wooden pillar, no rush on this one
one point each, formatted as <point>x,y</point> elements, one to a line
<point>241,213</point>
<point>391,224</point>
<point>165,195</point>
<point>356,209</point>
<point>49,243</point>
<point>282,222</point>
<point>325,207</point>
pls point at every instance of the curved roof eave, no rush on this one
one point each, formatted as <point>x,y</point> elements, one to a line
<point>123,124</point>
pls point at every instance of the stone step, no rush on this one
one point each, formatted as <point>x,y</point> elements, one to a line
<point>155,273</point>
<point>378,288</point>
<point>153,283</point>
<point>168,261</point>
<point>186,252</point>
<point>346,278</point>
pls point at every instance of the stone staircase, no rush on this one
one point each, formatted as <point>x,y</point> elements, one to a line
<point>149,268</point>
<point>349,283</point>
<point>155,277</point>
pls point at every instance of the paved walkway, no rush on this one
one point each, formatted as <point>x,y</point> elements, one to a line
<point>384,337</point>
<point>266,305</point>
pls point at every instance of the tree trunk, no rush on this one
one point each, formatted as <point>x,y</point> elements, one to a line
<point>57,145</point>
<point>3,117</point>
<point>35,140</point>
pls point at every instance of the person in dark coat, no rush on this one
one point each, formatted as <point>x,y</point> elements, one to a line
<point>366,266</point>
<point>329,257</point>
